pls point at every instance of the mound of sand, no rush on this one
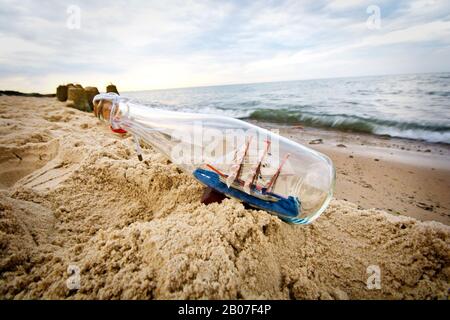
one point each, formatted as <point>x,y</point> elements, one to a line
<point>74,194</point>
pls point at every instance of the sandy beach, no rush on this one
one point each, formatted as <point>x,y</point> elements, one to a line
<point>74,195</point>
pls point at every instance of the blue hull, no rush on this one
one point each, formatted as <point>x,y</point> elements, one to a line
<point>286,208</point>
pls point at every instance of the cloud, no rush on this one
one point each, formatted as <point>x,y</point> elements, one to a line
<point>157,44</point>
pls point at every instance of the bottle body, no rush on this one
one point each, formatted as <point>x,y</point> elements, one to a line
<point>252,164</point>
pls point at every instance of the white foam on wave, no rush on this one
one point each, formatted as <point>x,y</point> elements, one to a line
<point>416,134</point>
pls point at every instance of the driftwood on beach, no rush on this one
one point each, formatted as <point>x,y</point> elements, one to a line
<point>77,99</point>
<point>61,93</point>
<point>91,92</point>
<point>77,96</point>
<point>112,88</point>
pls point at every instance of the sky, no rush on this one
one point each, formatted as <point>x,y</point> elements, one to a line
<point>141,45</point>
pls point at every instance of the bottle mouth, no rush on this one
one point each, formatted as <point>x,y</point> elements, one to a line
<point>110,96</point>
<point>106,106</point>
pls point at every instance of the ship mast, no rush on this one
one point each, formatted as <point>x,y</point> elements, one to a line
<point>271,185</point>
<point>256,170</point>
<point>237,168</point>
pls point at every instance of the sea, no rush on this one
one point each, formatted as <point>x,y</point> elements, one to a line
<point>413,106</point>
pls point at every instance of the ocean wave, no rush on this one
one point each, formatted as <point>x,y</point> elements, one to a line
<point>353,123</point>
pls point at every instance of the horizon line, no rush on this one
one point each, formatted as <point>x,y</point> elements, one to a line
<point>255,83</point>
<point>293,80</point>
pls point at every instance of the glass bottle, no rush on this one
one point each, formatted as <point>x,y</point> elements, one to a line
<point>233,157</point>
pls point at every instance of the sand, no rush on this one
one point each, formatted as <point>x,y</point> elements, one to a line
<point>74,194</point>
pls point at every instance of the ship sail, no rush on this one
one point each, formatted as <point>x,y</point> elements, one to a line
<point>236,168</point>
<point>252,179</point>
<point>256,171</point>
<point>271,185</point>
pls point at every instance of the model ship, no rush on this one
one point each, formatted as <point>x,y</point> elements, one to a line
<point>254,189</point>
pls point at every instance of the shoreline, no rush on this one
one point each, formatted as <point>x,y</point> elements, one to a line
<point>414,179</point>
